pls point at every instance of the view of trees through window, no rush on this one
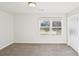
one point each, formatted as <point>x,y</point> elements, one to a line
<point>47,26</point>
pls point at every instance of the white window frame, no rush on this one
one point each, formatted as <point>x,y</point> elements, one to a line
<point>51,19</point>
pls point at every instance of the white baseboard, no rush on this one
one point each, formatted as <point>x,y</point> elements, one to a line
<point>40,42</point>
<point>6,44</point>
<point>78,51</point>
<point>75,49</point>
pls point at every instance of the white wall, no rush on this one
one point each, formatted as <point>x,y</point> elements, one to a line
<point>6,29</point>
<point>73,31</point>
<point>26,29</point>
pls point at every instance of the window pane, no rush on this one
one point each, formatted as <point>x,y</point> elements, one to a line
<point>45,23</point>
<point>44,29</point>
<point>44,26</point>
<point>57,30</point>
<point>56,24</point>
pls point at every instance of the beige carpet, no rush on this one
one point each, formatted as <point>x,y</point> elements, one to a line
<point>20,49</point>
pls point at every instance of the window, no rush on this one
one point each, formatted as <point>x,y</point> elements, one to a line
<point>44,26</point>
<point>56,27</point>
<point>56,24</point>
<point>50,26</point>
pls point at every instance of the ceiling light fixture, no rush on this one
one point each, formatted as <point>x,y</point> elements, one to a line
<point>32,4</point>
